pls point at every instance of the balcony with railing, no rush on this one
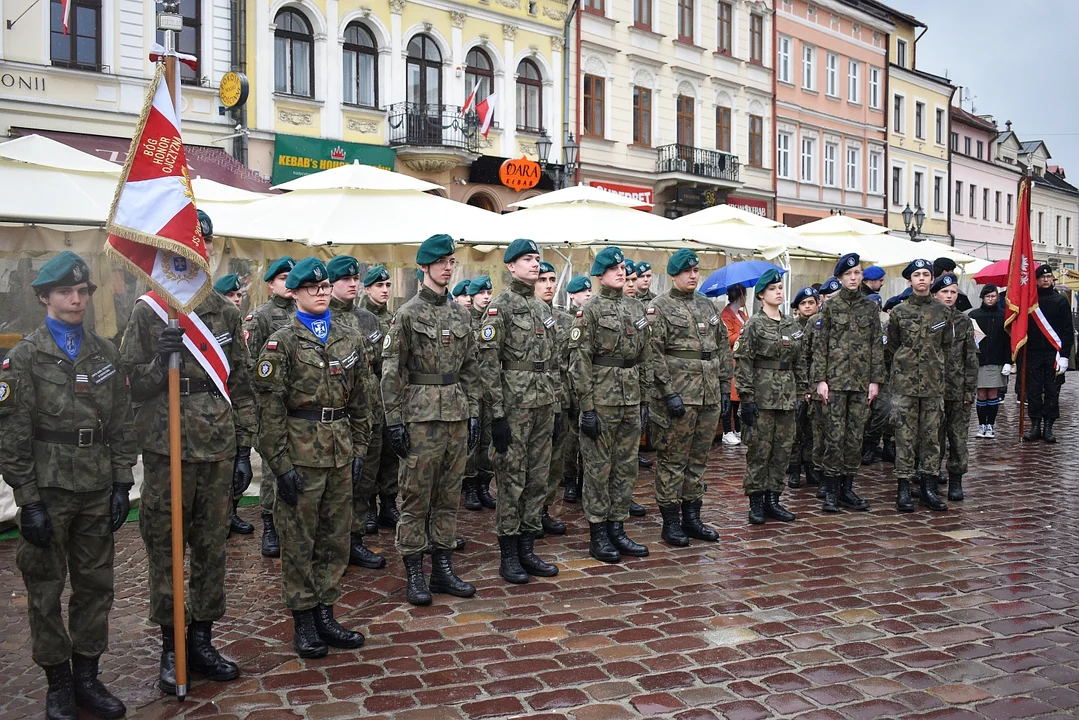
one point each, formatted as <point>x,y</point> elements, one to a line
<point>434,126</point>
<point>700,162</point>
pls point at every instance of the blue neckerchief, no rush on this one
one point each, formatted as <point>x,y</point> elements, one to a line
<point>319,325</point>
<point>68,337</point>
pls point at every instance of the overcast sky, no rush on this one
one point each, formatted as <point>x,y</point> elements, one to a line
<point>1017,58</point>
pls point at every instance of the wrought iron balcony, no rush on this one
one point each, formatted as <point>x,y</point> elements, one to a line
<point>425,125</point>
<point>712,164</point>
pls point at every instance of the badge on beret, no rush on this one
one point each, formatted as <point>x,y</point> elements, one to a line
<point>317,272</point>
<point>488,332</point>
<point>265,369</point>
<point>76,272</point>
<point>618,257</point>
<point>575,334</point>
<point>532,246</point>
<point>920,264</point>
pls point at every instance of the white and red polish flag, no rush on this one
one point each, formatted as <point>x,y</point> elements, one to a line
<point>485,109</point>
<point>157,52</point>
<point>153,227</point>
<point>65,13</point>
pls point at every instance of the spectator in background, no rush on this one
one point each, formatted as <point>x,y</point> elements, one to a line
<point>734,316</point>
<point>994,356</point>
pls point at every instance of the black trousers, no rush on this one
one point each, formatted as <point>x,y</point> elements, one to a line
<point>1043,386</point>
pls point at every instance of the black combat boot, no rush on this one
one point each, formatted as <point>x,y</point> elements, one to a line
<point>812,476</point>
<point>673,534</point>
<point>847,498</point>
<point>166,676</point>
<point>483,489</point>
<point>305,637</point>
<point>636,509</point>
<point>570,493</point>
<point>510,568</point>
<point>388,514</point>
<point>887,453</point>
<point>830,485</point>
<point>955,486</point>
<point>370,522</point>
<point>929,494</point>
<point>444,580</point>
<point>202,656</point>
<point>531,563</point>
<point>599,546</point>
<point>691,522</point>
<point>271,545</point>
<point>552,525</point>
<point>418,594</point>
<point>332,633</point>
<point>1048,435</point>
<point>644,462</point>
<point>1034,432</point>
<point>60,699</point>
<point>822,488</point>
<point>472,498</point>
<point>361,556</point>
<point>794,475</point>
<point>237,524</point>
<point>903,501</point>
<point>90,694</point>
<point>773,509</point>
<point>756,508</point>
<point>621,541</point>
<point>869,449</point>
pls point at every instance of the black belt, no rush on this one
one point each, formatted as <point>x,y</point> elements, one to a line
<point>771,365</point>
<point>432,379</point>
<point>324,415</point>
<point>83,437</point>
<point>526,366</point>
<point>610,361</point>
<point>189,386</point>
<point>690,354</point>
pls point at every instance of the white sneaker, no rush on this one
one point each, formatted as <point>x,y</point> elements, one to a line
<point>990,432</point>
<point>738,434</point>
<point>981,431</point>
<point>731,439</point>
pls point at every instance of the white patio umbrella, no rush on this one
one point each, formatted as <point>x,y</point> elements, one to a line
<point>46,152</point>
<point>726,215</point>
<point>47,182</point>
<point>211,191</point>
<point>840,234</point>
<point>580,193</point>
<point>357,177</point>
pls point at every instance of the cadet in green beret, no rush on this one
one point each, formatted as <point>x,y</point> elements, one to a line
<point>67,448</point>
<point>479,471</point>
<point>644,282</point>
<point>546,288</point>
<point>692,369</point>
<point>609,359</point>
<point>263,322</point>
<point>460,293</point>
<point>522,386</point>
<point>578,290</point>
<point>229,286</point>
<point>630,288</point>
<point>431,389</point>
<point>771,379</point>
<point>312,383</point>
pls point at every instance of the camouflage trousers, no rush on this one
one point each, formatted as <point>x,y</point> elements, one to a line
<point>610,463</point>
<point>558,458</point>
<point>768,450</point>
<point>802,449</point>
<point>430,485</point>
<point>682,446</point>
<point>521,472</point>
<point>388,468</point>
<point>82,545</point>
<point>917,435</point>
<point>879,421</point>
<point>207,487</point>
<point>479,460</point>
<point>361,500</point>
<point>266,489</point>
<point>315,537</point>
<point>954,429</point>
<point>816,433</point>
<point>845,415</point>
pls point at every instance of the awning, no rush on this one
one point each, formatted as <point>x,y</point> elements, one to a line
<point>206,162</point>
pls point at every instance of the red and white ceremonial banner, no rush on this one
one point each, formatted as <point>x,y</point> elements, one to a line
<point>1022,297</point>
<point>200,342</point>
<point>153,227</point>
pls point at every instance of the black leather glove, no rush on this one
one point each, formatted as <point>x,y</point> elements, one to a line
<point>473,433</point>
<point>590,424</point>
<point>289,486</point>
<point>557,427</point>
<point>35,525</point>
<point>675,408</point>
<point>397,436</point>
<point>800,409</point>
<point>241,471</point>
<point>500,435</point>
<point>749,413</point>
<point>725,405</point>
<point>357,474</point>
<point>120,504</point>
<point>574,411</point>
<point>645,416</point>
<point>171,341</point>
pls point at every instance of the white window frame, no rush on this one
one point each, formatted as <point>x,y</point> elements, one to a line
<point>809,67</point>
<point>854,157</point>
<point>831,75</point>
<point>783,58</point>
<point>924,130</point>
<point>808,164</point>
<point>901,128</point>
<point>854,82</point>
<point>898,200</point>
<point>957,192</point>
<point>831,151</point>
<point>940,189</point>
<point>901,52</point>
<point>918,200</point>
<point>876,160</point>
<point>783,155</point>
<point>940,125</point>
<point>874,88</point>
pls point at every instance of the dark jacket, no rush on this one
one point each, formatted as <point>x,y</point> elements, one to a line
<point>1056,310</point>
<point>995,347</point>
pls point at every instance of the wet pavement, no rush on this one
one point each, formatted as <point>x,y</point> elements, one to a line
<point>972,613</point>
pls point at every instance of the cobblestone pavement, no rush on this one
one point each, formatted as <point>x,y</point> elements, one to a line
<point>971,613</point>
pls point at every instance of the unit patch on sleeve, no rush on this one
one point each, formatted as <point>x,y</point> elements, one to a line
<point>488,332</point>
<point>265,369</point>
<point>575,334</point>
<point>7,394</point>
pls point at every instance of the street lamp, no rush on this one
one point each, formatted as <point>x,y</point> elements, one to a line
<point>912,221</point>
<point>559,174</point>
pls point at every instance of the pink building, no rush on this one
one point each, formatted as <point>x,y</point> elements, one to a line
<point>831,141</point>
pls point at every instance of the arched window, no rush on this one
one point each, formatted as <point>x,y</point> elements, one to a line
<point>424,72</point>
<point>483,200</point>
<point>294,68</point>
<point>478,73</point>
<point>529,97</point>
<point>360,66</point>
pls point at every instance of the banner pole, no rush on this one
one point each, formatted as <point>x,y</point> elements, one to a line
<point>1023,393</point>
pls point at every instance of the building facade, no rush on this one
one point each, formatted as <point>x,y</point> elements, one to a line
<point>673,102</point>
<point>1054,204</point>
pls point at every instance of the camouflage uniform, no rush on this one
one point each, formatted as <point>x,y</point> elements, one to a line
<point>43,392</point>
<point>560,449</point>
<point>609,362</point>
<point>802,449</point>
<point>880,411</point>
<point>314,419</point>
<point>212,429</point>
<point>770,370</point>
<point>521,383</point>
<point>479,466</point>
<point>431,384</point>
<point>387,466</point>
<point>815,412</point>
<point>960,389</point>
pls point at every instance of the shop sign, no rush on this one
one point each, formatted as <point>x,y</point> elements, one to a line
<point>633,192</point>
<point>296,156</point>
<point>19,81</point>
<point>757,207</point>
<point>520,174</point>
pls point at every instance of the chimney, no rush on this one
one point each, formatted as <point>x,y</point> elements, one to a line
<point>1008,124</point>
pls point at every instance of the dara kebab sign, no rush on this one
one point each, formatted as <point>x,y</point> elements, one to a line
<point>520,174</point>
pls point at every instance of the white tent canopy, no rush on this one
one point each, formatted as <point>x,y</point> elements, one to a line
<point>46,152</point>
<point>357,177</point>
<point>580,193</point>
<point>839,234</point>
<point>726,215</point>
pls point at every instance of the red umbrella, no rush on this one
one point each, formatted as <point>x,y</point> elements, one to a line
<point>997,273</point>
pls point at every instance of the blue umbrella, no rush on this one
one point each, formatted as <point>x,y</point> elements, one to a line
<point>743,272</point>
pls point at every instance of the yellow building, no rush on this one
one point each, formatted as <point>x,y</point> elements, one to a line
<point>384,82</point>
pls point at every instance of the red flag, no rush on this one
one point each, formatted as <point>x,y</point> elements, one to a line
<point>1022,296</point>
<point>486,111</point>
<point>153,227</point>
<point>65,14</point>
<point>471,99</point>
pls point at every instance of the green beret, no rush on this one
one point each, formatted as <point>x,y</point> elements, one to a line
<point>434,249</point>
<point>519,247</point>
<point>479,284</point>
<point>378,273</point>
<point>281,265</point>
<point>546,267</point>
<point>64,270</point>
<point>460,288</point>
<point>771,275</point>
<point>205,224</point>
<point>682,260</point>
<point>605,258</point>
<point>643,266</point>
<point>631,267</point>
<point>227,283</point>
<point>578,284</point>
<point>342,266</point>
<point>308,270</point>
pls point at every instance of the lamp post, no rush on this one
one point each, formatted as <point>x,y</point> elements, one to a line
<point>559,174</point>
<point>912,221</point>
